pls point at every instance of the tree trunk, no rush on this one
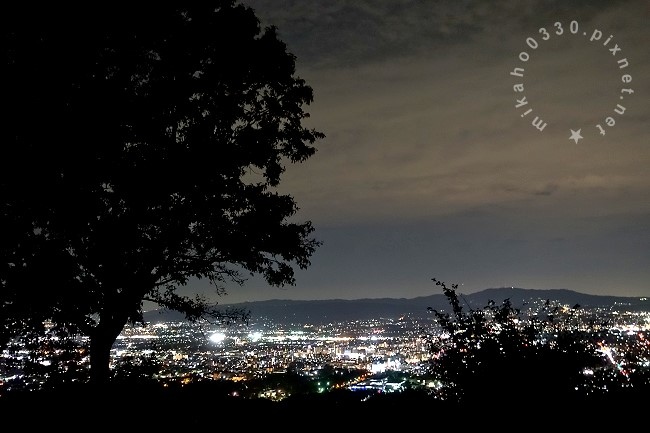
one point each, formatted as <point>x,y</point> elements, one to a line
<point>101,343</point>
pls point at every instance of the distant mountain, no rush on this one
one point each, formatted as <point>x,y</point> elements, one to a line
<point>339,310</point>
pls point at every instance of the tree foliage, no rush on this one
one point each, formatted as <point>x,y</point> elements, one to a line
<point>143,146</point>
<point>498,356</point>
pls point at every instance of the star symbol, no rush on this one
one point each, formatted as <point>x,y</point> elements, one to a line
<point>575,135</point>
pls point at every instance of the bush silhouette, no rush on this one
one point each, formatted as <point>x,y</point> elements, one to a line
<point>496,357</point>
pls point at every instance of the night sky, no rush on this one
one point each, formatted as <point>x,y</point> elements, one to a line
<point>429,168</point>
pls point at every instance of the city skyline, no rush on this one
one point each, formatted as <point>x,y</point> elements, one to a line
<point>431,166</point>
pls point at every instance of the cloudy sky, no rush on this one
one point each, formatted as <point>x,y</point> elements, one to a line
<point>430,169</point>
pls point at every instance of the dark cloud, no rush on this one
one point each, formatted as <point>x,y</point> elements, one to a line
<point>336,33</point>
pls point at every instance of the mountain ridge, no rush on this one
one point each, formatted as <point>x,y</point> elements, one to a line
<point>340,310</point>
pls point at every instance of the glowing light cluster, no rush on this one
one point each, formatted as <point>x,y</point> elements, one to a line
<point>217,337</point>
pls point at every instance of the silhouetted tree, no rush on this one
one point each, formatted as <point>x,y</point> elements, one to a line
<point>495,355</point>
<point>141,147</point>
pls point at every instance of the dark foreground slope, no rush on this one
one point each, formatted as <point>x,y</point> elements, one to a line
<point>153,408</point>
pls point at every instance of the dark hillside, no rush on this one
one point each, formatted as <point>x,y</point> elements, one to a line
<point>340,310</point>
